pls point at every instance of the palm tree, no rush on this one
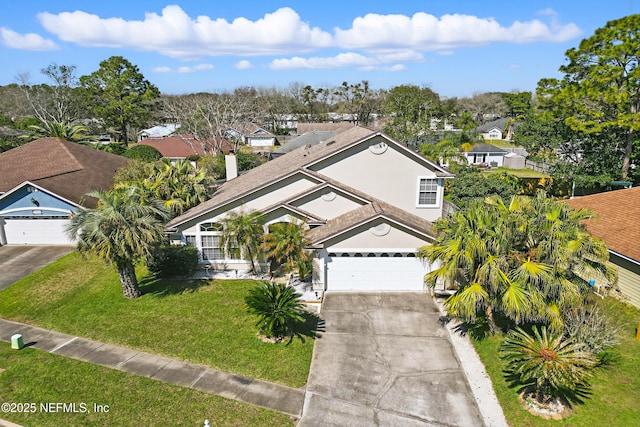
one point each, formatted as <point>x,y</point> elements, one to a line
<point>286,244</point>
<point>61,130</point>
<point>529,259</point>
<point>124,227</point>
<point>277,307</point>
<point>547,361</point>
<point>181,187</point>
<point>242,230</point>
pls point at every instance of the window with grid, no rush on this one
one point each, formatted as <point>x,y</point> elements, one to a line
<point>190,240</point>
<point>428,192</point>
<point>211,248</point>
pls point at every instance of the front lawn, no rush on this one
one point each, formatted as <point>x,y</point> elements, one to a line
<point>193,320</point>
<point>520,173</point>
<point>43,381</point>
<point>615,391</point>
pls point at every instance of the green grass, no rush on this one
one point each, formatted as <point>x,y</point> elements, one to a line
<point>615,390</point>
<point>522,173</point>
<point>197,321</point>
<point>33,376</point>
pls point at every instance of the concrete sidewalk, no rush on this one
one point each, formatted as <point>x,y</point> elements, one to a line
<point>244,389</point>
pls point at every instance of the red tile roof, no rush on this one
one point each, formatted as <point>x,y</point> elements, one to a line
<point>618,222</point>
<point>66,168</point>
<point>182,146</point>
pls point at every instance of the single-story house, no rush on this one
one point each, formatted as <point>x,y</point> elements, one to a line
<point>367,201</point>
<point>485,153</point>
<point>618,224</point>
<point>181,147</point>
<point>253,136</point>
<point>43,183</point>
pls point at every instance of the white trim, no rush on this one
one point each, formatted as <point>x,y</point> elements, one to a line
<point>29,209</point>
<point>51,193</point>
<point>366,250</point>
<point>439,190</point>
<point>618,254</point>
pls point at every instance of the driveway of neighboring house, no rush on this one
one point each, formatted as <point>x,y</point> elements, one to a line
<point>17,262</point>
<point>384,359</point>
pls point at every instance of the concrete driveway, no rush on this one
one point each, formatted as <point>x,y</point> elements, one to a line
<point>385,360</point>
<point>17,262</point>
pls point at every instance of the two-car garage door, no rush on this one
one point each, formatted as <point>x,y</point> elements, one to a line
<point>36,231</point>
<point>375,272</point>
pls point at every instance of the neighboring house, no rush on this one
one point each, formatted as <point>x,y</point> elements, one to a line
<point>254,136</point>
<point>159,131</point>
<point>43,183</point>
<point>177,148</point>
<point>493,129</point>
<point>367,200</point>
<point>618,224</point>
<point>485,153</point>
<point>310,138</point>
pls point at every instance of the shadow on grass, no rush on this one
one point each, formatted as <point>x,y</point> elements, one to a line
<point>165,287</point>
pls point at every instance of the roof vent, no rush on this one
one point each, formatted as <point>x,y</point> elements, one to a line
<point>330,143</point>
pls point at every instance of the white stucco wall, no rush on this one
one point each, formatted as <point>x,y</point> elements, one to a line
<point>387,174</point>
<point>326,203</point>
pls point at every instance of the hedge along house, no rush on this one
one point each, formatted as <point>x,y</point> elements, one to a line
<point>43,183</point>
<point>618,224</point>
<point>367,201</point>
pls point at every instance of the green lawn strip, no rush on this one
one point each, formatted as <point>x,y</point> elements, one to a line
<point>521,173</point>
<point>35,377</point>
<point>615,387</point>
<point>196,321</point>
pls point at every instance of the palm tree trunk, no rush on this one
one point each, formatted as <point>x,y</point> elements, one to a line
<point>490,320</point>
<point>128,279</point>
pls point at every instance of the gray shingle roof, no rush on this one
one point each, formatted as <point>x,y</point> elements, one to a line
<point>310,138</point>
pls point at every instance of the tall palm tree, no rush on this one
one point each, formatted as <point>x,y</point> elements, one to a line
<point>123,228</point>
<point>243,230</point>
<point>286,243</point>
<point>528,259</point>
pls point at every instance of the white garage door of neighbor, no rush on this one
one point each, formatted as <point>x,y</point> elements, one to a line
<point>40,231</point>
<point>375,273</point>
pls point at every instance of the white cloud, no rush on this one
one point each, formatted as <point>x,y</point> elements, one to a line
<point>397,67</point>
<point>244,65</point>
<point>184,69</point>
<point>175,34</point>
<point>349,59</point>
<point>30,41</point>
<point>426,32</point>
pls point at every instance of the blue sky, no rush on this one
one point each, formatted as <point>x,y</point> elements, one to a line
<point>455,47</point>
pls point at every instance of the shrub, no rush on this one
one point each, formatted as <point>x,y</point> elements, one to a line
<point>277,306</point>
<point>590,326</point>
<point>173,260</point>
<point>143,152</point>
<point>547,363</point>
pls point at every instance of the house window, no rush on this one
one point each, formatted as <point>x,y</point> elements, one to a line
<point>211,249</point>
<point>211,226</point>
<point>427,192</point>
<point>190,240</point>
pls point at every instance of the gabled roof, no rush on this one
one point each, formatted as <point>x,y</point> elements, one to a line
<point>618,222</point>
<point>496,124</point>
<point>66,168</point>
<point>294,162</point>
<point>309,138</point>
<point>483,147</point>
<point>365,214</point>
<point>176,147</point>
